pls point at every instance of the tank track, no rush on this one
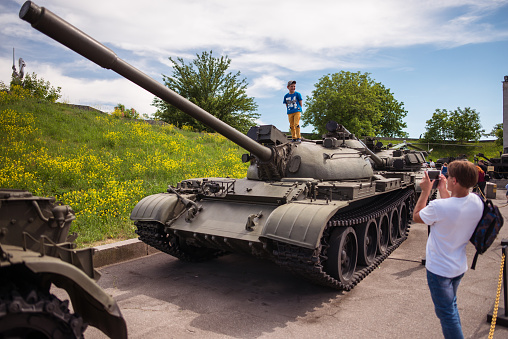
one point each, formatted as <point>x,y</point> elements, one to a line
<point>152,233</point>
<point>308,263</point>
<point>36,313</point>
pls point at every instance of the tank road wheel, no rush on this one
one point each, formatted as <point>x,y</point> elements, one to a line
<point>367,242</point>
<point>342,254</point>
<point>384,233</point>
<point>394,227</point>
<point>37,315</point>
<point>404,219</point>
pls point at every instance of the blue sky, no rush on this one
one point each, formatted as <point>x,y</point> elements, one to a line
<point>431,54</point>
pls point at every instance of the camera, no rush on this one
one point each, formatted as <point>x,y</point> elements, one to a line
<point>434,175</point>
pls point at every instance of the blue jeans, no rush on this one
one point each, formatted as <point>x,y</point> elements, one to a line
<point>444,295</point>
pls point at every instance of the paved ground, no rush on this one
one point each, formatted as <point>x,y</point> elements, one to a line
<point>243,297</point>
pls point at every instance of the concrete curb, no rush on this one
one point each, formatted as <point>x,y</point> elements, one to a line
<point>121,251</point>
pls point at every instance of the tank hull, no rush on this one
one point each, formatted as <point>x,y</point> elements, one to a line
<point>288,222</point>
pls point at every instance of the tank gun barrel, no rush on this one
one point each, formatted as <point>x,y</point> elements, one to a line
<point>58,29</point>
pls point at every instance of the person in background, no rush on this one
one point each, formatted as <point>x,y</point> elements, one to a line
<point>485,169</point>
<point>444,169</point>
<point>482,165</point>
<point>480,187</point>
<point>432,163</point>
<point>293,101</point>
<point>452,220</point>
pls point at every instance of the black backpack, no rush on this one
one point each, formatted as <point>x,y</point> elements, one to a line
<point>487,229</point>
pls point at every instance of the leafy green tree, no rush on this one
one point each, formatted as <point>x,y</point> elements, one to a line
<point>207,83</point>
<point>460,125</point>
<point>437,127</point>
<point>38,88</point>
<point>497,132</point>
<point>465,124</point>
<point>363,106</point>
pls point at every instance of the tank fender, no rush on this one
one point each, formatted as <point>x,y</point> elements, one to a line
<point>300,223</point>
<point>95,306</point>
<point>157,207</point>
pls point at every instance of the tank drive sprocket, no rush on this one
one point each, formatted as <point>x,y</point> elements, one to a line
<point>152,233</point>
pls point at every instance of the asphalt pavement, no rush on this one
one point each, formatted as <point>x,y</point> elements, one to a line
<point>243,297</point>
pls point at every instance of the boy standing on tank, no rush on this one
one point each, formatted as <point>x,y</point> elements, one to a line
<point>293,101</point>
<point>452,220</point>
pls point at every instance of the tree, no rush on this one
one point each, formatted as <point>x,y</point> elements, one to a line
<point>363,106</point>
<point>497,131</point>
<point>437,127</point>
<point>460,125</point>
<point>206,82</point>
<point>37,88</point>
<point>465,124</point>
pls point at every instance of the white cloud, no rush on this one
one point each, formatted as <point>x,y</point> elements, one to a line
<point>264,86</point>
<point>269,41</point>
<point>314,34</point>
<point>101,94</point>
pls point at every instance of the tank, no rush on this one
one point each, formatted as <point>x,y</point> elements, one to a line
<point>36,253</point>
<point>441,161</point>
<point>403,157</point>
<point>497,167</point>
<point>329,210</point>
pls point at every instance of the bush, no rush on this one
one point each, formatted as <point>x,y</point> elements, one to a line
<point>121,112</point>
<point>36,88</point>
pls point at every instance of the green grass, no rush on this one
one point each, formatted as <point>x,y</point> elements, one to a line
<point>100,165</point>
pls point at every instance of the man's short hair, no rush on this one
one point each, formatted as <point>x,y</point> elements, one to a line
<point>464,171</point>
<point>290,82</point>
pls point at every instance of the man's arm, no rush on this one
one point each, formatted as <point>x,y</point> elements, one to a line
<point>426,186</point>
<point>443,191</point>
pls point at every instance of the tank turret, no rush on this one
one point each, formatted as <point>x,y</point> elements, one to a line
<point>329,210</point>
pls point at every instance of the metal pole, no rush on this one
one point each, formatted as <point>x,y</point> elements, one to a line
<point>504,243</point>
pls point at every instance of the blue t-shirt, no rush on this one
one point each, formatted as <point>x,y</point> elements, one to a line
<point>292,102</point>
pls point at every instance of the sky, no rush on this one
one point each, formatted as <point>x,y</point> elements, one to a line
<point>436,54</point>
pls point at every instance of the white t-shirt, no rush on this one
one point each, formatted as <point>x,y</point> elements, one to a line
<point>452,222</point>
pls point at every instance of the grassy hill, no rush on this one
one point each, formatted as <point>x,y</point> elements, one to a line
<point>100,165</point>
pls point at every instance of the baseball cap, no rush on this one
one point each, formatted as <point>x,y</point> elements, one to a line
<point>290,82</point>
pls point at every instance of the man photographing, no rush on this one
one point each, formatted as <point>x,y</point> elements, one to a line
<point>452,220</point>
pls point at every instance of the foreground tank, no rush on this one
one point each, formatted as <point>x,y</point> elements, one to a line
<point>330,210</point>
<point>34,254</point>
